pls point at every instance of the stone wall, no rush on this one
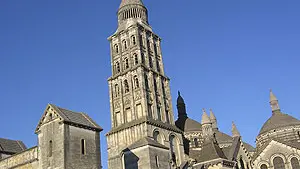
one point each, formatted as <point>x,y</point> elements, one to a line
<point>25,160</point>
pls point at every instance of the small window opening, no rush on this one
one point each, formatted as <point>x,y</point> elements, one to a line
<point>50,116</point>
<point>150,62</point>
<point>83,152</point>
<point>196,142</point>
<point>133,40</point>
<point>157,161</point>
<point>117,91</point>
<point>50,148</point>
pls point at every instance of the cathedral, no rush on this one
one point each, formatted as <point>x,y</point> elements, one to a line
<point>144,133</point>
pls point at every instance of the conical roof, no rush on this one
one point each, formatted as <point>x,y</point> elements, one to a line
<point>234,131</point>
<point>205,118</point>
<point>278,120</point>
<point>180,99</point>
<point>130,2</point>
<point>212,115</point>
<point>272,96</point>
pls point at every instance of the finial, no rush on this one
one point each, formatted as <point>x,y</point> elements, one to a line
<point>274,102</point>
<point>212,115</point>
<point>178,93</point>
<point>234,131</point>
<point>205,118</point>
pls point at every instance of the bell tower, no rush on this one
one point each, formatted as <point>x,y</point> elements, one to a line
<point>140,99</point>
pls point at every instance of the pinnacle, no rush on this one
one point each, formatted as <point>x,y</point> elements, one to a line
<point>205,118</point>
<point>234,131</point>
<point>272,96</point>
<point>212,115</point>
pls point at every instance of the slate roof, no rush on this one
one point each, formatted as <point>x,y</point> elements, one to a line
<point>11,146</point>
<point>143,142</point>
<point>75,118</point>
<point>130,2</point>
<point>278,120</point>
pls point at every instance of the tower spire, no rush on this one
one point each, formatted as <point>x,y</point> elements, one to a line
<point>234,131</point>
<point>181,107</point>
<point>274,102</point>
<point>213,119</point>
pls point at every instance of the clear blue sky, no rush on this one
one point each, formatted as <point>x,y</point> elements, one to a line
<point>224,55</point>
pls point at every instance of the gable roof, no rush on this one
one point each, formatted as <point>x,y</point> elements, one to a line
<point>143,142</point>
<point>72,118</point>
<point>11,146</point>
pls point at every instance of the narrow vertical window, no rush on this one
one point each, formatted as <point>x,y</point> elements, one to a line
<point>196,142</point>
<point>83,147</point>
<point>150,62</point>
<point>125,44</point>
<point>116,48</point>
<point>126,63</point>
<point>133,40</point>
<point>126,86</point>
<point>156,161</point>
<point>117,90</point>
<point>118,67</point>
<point>136,59</point>
<point>136,82</point>
<point>242,163</point>
<point>50,148</point>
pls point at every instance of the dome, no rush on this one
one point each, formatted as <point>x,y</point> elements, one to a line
<point>130,2</point>
<point>278,120</point>
<point>188,124</point>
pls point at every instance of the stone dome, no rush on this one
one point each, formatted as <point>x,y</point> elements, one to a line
<point>188,125</point>
<point>278,120</point>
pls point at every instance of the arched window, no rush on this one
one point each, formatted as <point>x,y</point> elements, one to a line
<point>126,86</point>
<point>263,166</point>
<point>196,142</point>
<point>143,57</point>
<point>242,163</point>
<point>295,163</point>
<point>133,40</point>
<point>157,137</point>
<point>116,48</point>
<point>124,44</point>
<point>136,59</point>
<point>146,81</point>
<point>83,147</point>
<point>278,163</point>
<point>174,148</point>
<point>117,90</point>
<point>136,82</point>
<point>126,63</point>
<point>158,65</point>
<point>50,148</point>
<point>118,67</point>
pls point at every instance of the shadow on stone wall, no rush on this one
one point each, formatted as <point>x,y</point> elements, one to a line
<point>131,160</point>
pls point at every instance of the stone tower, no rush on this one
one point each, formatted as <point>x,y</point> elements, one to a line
<point>143,133</point>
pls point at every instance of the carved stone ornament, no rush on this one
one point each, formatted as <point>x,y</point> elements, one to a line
<point>138,95</point>
<point>127,101</point>
<point>117,104</point>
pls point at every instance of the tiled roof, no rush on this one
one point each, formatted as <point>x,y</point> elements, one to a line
<point>187,124</point>
<point>11,146</point>
<point>72,118</point>
<point>78,118</point>
<point>278,120</point>
<point>143,142</point>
